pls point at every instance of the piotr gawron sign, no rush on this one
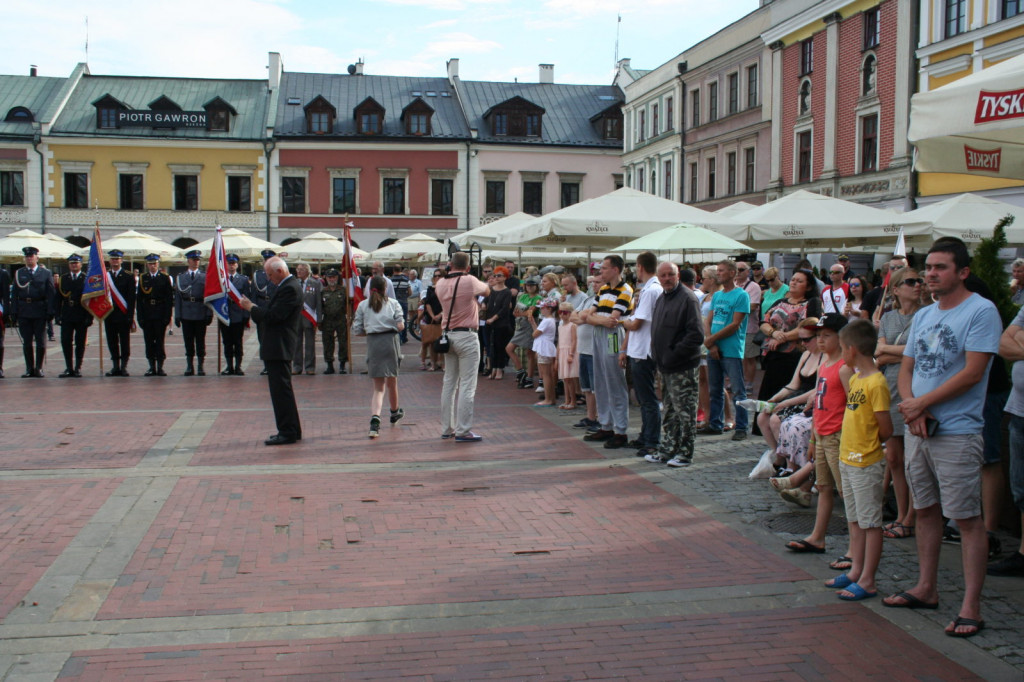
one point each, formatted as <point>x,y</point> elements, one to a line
<point>161,119</point>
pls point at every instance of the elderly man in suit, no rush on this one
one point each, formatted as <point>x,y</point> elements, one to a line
<point>280,318</point>
<point>305,357</point>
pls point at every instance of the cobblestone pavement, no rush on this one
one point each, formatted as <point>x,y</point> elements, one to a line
<point>147,534</point>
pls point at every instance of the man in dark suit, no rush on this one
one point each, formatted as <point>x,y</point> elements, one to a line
<point>32,304</point>
<point>280,319</point>
<point>119,325</point>
<point>262,290</point>
<point>232,333</point>
<point>191,312</point>
<point>155,305</point>
<point>73,318</point>
<point>5,311</point>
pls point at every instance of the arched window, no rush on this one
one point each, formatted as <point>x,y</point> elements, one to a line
<point>805,97</point>
<point>869,75</point>
<point>19,115</point>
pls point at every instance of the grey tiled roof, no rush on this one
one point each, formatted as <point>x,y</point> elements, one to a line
<point>248,97</point>
<point>33,93</point>
<point>568,110</point>
<point>346,92</point>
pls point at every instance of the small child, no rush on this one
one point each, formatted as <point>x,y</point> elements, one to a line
<point>568,368</point>
<point>866,425</point>
<point>544,347</point>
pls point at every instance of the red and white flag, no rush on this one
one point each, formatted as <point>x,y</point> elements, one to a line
<point>309,314</point>
<point>219,288</point>
<point>350,273</point>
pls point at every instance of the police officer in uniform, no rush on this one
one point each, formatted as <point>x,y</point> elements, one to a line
<point>262,290</point>
<point>191,312</point>
<point>74,319</point>
<point>231,334</point>
<point>5,311</point>
<point>154,308</point>
<point>334,326</point>
<point>32,304</point>
<point>119,325</point>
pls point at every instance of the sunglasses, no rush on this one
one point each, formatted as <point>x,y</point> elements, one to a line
<point>836,272</point>
<point>805,339</point>
<point>757,267</point>
<point>913,281</point>
<point>854,285</point>
<point>769,280</point>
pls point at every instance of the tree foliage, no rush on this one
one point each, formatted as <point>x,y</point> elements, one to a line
<point>987,265</point>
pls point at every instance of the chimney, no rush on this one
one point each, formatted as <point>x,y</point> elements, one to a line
<point>359,67</point>
<point>453,69</point>
<point>547,73</point>
<point>276,66</point>
<point>33,71</point>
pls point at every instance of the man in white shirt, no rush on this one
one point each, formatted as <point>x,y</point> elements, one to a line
<point>834,295</point>
<point>378,269</point>
<point>638,351</point>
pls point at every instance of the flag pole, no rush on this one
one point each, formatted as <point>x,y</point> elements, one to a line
<point>219,348</point>
<point>347,267</point>
<point>99,323</point>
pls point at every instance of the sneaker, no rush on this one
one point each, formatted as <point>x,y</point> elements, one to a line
<point>374,426</point>
<point>594,428</point>
<point>527,382</point>
<point>679,461</point>
<point>951,535</point>
<point>636,443</point>
<point>655,458</point>
<point>468,437</point>
<point>617,441</point>
<point>1010,567</point>
<point>540,387</point>
<point>995,547</point>
<point>739,434</point>
<point>643,452</point>
<point>585,423</point>
<point>397,414</point>
<point>598,435</point>
<point>709,431</point>
<point>446,436</point>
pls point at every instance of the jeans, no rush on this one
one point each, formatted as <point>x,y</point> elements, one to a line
<point>717,370</point>
<point>1017,460</point>
<point>650,413</point>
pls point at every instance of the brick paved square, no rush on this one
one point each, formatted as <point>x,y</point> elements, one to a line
<point>832,642</point>
<point>71,440</point>
<point>340,436</point>
<point>37,521</point>
<point>254,544</point>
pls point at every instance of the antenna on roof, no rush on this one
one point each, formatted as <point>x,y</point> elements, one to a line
<point>618,27</point>
<point>87,39</point>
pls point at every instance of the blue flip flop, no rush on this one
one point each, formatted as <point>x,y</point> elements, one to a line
<point>839,582</point>
<point>858,593</point>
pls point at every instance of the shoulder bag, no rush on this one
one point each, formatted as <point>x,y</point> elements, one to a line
<point>442,344</point>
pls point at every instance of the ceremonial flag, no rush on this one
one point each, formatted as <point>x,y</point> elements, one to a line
<point>309,314</point>
<point>116,295</point>
<point>218,288</point>
<point>350,273</point>
<point>96,292</point>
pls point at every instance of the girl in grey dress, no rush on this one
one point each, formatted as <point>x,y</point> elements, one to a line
<point>380,319</point>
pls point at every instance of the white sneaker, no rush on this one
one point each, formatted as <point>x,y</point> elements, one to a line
<point>539,389</point>
<point>679,462</point>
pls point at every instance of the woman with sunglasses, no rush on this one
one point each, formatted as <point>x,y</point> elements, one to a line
<point>498,316</point>
<point>780,327</point>
<point>853,310</point>
<point>776,289</point>
<point>908,291</point>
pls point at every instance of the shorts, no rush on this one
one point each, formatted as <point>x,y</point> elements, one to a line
<point>993,428</point>
<point>1017,460</point>
<point>945,470</point>
<point>545,359</point>
<point>826,461</point>
<point>864,493</point>
<point>586,373</point>
<point>751,349</point>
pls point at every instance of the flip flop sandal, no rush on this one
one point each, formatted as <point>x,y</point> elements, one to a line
<point>859,594</point>
<point>978,626</point>
<point>804,547</point>
<point>843,563</point>
<point>839,582</point>
<point>898,531</point>
<point>909,602</point>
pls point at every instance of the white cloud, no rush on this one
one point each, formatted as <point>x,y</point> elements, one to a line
<point>444,23</point>
<point>455,45</point>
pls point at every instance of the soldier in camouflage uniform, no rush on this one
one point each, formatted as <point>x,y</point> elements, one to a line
<point>677,334</point>
<point>334,327</point>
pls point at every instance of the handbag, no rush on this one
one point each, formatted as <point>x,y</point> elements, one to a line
<point>443,343</point>
<point>430,333</point>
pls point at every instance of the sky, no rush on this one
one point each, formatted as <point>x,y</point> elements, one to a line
<point>498,40</point>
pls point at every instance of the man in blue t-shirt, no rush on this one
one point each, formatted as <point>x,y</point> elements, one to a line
<point>726,330</point>
<point>943,379</point>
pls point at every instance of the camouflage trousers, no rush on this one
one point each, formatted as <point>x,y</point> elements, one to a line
<point>331,336</point>
<point>679,415</point>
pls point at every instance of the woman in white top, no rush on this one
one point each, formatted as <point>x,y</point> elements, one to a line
<point>380,319</point>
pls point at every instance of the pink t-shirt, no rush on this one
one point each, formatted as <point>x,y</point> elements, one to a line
<point>829,401</point>
<point>467,312</point>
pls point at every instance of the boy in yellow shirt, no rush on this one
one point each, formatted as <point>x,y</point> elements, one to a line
<point>866,425</point>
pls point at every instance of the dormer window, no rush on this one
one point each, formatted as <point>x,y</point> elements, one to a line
<point>369,117</point>
<point>516,117</point>
<point>608,123</point>
<point>218,115</point>
<point>320,115</point>
<point>107,109</point>
<point>164,103</point>
<point>19,115</point>
<point>417,117</point>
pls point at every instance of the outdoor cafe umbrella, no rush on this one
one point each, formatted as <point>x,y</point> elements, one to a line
<point>735,209</point>
<point>321,246</point>
<point>969,217</point>
<point>51,247</point>
<point>138,245</point>
<point>238,242</point>
<point>487,234</point>
<point>416,247</point>
<point>684,238</point>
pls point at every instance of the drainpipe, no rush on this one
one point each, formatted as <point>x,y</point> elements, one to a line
<point>268,149</point>
<point>37,140</point>
<point>469,174</point>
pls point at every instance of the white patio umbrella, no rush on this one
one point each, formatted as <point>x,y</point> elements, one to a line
<point>50,246</point>
<point>967,216</point>
<point>610,220</point>
<point>973,125</point>
<point>416,247</point>
<point>321,246</point>
<point>684,238</point>
<point>487,234</point>
<point>236,241</point>
<point>733,210</point>
<point>137,245</point>
<point>808,220</point>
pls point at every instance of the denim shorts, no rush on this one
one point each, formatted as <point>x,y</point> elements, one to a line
<point>586,373</point>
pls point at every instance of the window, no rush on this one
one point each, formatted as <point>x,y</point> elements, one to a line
<point>186,193</point>
<point>612,128</point>
<point>417,117</point>
<point>394,196</point>
<point>669,114</point>
<point>19,115</point>
<point>712,170</point>
<point>1011,8</point>
<point>955,17</point>
<point>642,126</point>
<point>107,109</point>
<point>655,127</point>
<point>654,182</point>
<point>752,86</point>
<point>570,193</point>
<point>734,93</point>
<point>730,172</point>
<point>869,77</point>
<point>12,188</point>
<point>418,124</point>
<point>319,122</point>
<point>640,180</point>
<point>496,196</point>
<point>713,102</point>
<point>369,123</point>
<point>748,169</point>
<point>667,173</point>
<point>869,143</point>
<point>344,195</point>
<point>695,108</point>
<point>804,157</point>
<point>872,29</point>
<point>501,124</point>
<point>239,193</point>
<point>217,120</point>
<point>131,191</point>
<point>693,182</point>
<point>293,195</point>
<point>106,118</point>
<point>806,56</point>
<point>805,97</point>
<point>442,199</point>
<point>532,125</point>
<point>76,190</point>
<point>532,193</point>
<point>369,115</point>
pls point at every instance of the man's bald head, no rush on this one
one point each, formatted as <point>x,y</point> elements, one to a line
<point>276,269</point>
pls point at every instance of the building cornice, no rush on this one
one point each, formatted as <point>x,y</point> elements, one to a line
<point>993,29</point>
<point>800,21</point>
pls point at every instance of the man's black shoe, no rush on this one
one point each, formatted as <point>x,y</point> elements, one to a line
<point>263,373</point>
<point>708,431</point>
<point>598,435</point>
<point>1010,567</point>
<point>585,423</point>
<point>619,440</point>
<point>278,439</point>
<point>66,373</point>
<point>636,443</point>
<point>643,452</point>
<point>229,372</point>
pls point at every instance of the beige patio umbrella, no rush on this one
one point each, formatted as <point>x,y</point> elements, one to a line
<point>238,242</point>
<point>51,247</point>
<point>416,247</point>
<point>137,245</point>
<point>734,209</point>
<point>321,247</point>
<point>487,234</point>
